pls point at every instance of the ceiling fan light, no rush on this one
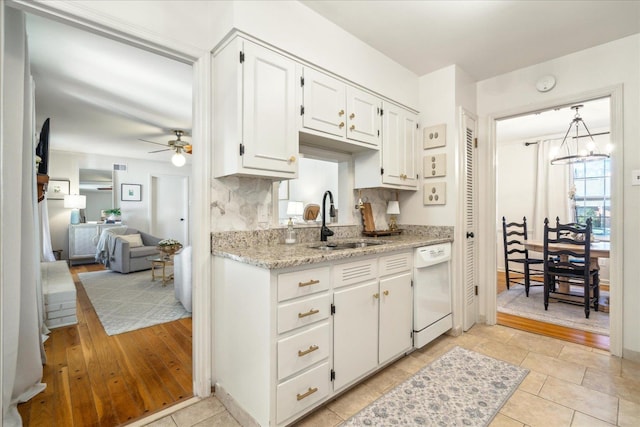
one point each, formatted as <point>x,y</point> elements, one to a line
<point>178,159</point>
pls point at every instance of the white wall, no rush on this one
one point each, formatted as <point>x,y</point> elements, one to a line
<point>65,165</point>
<point>593,69</point>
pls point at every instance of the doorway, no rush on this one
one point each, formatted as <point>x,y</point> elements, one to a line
<point>119,378</point>
<point>528,186</point>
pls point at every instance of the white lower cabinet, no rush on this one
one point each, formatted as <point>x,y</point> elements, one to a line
<point>280,367</point>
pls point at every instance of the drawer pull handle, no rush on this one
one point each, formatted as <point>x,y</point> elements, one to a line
<point>386,292</point>
<point>307,394</point>
<point>311,349</point>
<point>308,313</point>
<point>309,283</point>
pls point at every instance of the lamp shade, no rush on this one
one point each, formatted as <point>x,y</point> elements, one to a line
<point>393,208</point>
<point>295,208</point>
<point>75,201</point>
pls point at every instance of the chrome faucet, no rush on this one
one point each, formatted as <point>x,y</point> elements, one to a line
<point>324,230</point>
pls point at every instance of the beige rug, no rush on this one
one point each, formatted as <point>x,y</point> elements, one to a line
<point>514,301</point>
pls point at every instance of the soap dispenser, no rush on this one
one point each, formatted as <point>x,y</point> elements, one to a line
<point>290,236</point>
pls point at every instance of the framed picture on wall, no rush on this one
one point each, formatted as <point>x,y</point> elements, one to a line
<point>131,192</point>
<point>58,188</point>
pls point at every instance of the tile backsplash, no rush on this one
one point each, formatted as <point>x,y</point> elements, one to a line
<point>245,204</point>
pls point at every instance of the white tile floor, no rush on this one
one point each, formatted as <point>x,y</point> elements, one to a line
<point>568,385</point>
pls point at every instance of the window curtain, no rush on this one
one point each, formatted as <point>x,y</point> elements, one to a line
<point>20,263</point>
<point>551,190</point>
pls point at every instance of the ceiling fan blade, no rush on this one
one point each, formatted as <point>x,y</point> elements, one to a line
<point>151,142</point>
<point>157,151</point>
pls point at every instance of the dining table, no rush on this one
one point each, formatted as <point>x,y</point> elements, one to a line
<point>598,249</point>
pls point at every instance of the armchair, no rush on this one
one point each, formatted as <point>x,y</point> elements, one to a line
<point>127,256</point>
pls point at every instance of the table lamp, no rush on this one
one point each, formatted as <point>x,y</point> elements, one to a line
<point>75,202</point>
<point>393,209</point>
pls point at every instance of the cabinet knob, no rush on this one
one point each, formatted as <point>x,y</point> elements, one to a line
<point>292,159</point>
<point>386,292</point>
<point>376,295</point>
<point>341,113</point>
<point>341,125</point>
<point>352,116</point>
<point>352,127</point>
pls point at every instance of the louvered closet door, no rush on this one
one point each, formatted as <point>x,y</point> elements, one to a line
<point>470,264</point>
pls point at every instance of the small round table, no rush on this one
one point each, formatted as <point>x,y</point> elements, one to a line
<point>163,262</point>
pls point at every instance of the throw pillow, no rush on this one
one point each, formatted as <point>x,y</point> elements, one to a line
<point>135,240</point>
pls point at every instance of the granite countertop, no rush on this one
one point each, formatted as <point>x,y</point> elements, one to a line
<point>274,256</point>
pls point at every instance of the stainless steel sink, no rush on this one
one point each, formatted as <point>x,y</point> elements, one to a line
<point>334,246</point>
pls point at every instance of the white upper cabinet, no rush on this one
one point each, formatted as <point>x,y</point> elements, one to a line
<point>335,108</point>
<point>394,166</point>
<point>399,147</point>
<point>255,129</point>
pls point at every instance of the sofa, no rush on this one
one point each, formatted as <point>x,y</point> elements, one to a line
<point>130,250</point>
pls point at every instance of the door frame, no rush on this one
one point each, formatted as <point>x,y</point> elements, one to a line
<point>488,221</point>
<point>79,16</point>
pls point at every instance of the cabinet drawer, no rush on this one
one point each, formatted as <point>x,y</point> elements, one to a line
<point>302,350</point>
<point>355,272</point>
<point>300,283</point>
<point>396,263</point>
<point>299,393</point>
<point>299,313</point>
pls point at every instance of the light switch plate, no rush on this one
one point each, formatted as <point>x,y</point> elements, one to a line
<point>434,136</point>
<point>434,165</point>
<point>435,193</point>
<point>635,177</point>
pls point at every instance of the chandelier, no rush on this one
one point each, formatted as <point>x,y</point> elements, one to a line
<point>571,151</point>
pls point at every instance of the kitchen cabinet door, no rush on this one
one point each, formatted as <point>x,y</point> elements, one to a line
<point>363,116</point>
<point>324,103</point>
<point>355,332</point>
<point>399,133</point>
<point>269,130</point>
<point>255,123</point>
<point>395,316</point>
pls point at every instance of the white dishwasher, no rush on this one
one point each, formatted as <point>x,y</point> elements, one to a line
<point>431,293</point>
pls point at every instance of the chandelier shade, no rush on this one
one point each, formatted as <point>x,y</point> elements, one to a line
<point>572,150</point>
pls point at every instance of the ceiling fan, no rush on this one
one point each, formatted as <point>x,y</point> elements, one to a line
<point>177,145</point>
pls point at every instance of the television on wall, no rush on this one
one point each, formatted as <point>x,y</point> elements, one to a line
<point>42,149</point>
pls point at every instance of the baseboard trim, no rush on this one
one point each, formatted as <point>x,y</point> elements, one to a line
<point>631,355</point>
<point>234,409</point>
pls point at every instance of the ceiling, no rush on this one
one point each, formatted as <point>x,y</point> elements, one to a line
<point>485,38</point>
<point>103,96</point>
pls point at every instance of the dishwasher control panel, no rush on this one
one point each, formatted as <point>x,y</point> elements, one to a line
<point>430,255</point>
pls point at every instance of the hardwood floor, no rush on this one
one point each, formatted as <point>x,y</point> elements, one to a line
<point>548,329</point>
<point>98,380</point>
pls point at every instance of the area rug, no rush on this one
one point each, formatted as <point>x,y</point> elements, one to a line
<point>461,388</point>
<point>514,301</point>
<point>126,302</point>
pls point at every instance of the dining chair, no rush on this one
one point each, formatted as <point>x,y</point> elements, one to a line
<point>514,236</point>
<point>567,266</point>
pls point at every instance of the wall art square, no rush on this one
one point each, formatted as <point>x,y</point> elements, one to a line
<point>58,188</point>
<point>131,192</point>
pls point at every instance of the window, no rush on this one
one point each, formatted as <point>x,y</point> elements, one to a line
<point>592,181</point>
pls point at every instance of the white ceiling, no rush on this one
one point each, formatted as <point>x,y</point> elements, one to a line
<point>485,38</point>
<point>103,96</point>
